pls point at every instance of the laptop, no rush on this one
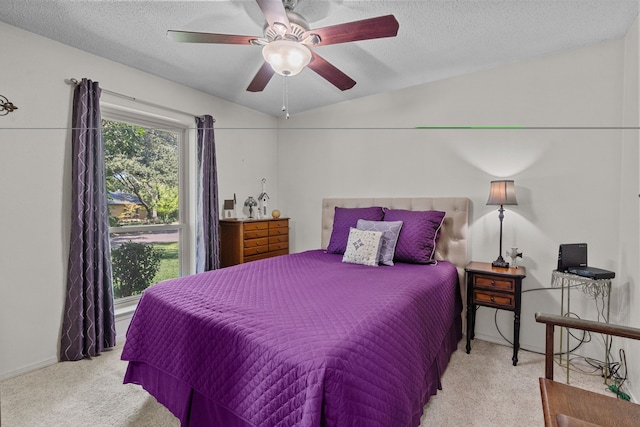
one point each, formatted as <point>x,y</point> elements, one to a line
<point>572,258</point>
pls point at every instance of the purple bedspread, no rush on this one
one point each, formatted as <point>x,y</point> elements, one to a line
<point>297,340</point>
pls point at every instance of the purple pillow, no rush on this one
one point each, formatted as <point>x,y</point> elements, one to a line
<point>419,234</point>
<point>344,219</point>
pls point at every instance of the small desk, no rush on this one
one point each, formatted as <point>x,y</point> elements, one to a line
<point>598,289</point>
<point>494,287</point>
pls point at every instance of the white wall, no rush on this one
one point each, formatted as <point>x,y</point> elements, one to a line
<point>35,176</point>
<point>572,185</point>
<point>629,255</point>
<point>567,180</point>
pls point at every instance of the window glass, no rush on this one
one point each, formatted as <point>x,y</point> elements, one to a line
<point>140,259</point>
<point>143,189</point>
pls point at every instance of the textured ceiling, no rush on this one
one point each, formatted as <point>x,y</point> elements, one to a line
<point>437,39</point>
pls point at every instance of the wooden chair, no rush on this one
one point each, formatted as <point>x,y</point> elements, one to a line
<point>567,406</point>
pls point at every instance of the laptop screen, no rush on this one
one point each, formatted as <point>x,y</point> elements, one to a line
<point>572,255</point>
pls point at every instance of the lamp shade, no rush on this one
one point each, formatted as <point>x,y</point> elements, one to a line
<point>502,193</point>
<point>286,57</point>
<point>250,202</point>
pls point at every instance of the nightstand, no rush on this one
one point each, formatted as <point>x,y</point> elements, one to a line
<point>496,287</point>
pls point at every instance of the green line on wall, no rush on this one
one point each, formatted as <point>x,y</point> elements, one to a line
<point>469,127</point>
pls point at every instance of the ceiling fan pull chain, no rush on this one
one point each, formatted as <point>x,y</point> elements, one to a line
<point>284,100</point>
<point>285,96</point>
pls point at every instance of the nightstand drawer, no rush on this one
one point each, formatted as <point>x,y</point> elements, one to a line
<point>494,299</point>
<point>493,282</point>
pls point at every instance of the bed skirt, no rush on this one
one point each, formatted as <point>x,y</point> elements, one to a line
<point>194,409</point>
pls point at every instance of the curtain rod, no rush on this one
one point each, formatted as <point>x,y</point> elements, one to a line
<point>75,82</point>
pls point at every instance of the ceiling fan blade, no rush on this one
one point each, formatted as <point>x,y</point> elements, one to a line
<point>193,37</point>
<point>273,11</point>
<point>366,29</point>
<point>261,78</point>
<point>328,71</point>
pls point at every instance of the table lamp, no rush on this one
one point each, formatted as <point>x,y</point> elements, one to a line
<point>502,193</point>
<point>250,203</point>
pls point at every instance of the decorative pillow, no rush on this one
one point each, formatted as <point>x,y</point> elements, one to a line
<point>419,235</point>
<point>344,219</point>
<point>363,247</point>
<point>390,232</point>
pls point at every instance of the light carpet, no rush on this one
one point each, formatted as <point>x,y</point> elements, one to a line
<point>478,389</point>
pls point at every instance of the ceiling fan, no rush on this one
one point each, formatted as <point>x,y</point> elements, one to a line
<point>287,41</point>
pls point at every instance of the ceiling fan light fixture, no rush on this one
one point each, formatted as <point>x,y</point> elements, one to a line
<point>286,57</point>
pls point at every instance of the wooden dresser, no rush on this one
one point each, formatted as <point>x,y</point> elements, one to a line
<point>249,240</point>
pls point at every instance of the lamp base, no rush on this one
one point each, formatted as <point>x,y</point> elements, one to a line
<point>500,262</point>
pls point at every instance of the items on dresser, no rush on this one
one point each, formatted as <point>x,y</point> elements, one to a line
<point>250,203</point>
<point>251,240</point>
<point>229,208</point>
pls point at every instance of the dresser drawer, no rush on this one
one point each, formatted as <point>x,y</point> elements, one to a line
<point>494,299</point>
<point>254,234</point>
<point>251,226</point>
<point>255,250</point>
<point>252,243</point>
<point>493,282</point>
<point>280,231</point>
<point>278,246</point>
<point>279,223</point>
<point>283,238</point>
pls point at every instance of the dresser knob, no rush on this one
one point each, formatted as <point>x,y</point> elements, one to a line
<point>492,299</point>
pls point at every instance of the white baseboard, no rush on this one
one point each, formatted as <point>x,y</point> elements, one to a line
<point>501,341</point>
<point>123,318</point>
<point>28,368</point>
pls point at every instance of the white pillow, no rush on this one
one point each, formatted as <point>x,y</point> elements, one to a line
<point>390,233</point>
<point>363,247</point>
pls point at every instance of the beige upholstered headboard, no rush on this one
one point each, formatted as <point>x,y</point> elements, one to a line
<point>452,245</point>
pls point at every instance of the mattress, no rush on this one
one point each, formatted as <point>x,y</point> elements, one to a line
<point>297,340</point>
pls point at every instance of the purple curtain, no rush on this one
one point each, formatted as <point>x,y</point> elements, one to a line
<point>88,326</point>
<point>207,241</point>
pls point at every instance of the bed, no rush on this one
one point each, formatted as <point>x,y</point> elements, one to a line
<point>305,339</point>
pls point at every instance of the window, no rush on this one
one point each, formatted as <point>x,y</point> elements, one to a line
<point>144,168</point>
